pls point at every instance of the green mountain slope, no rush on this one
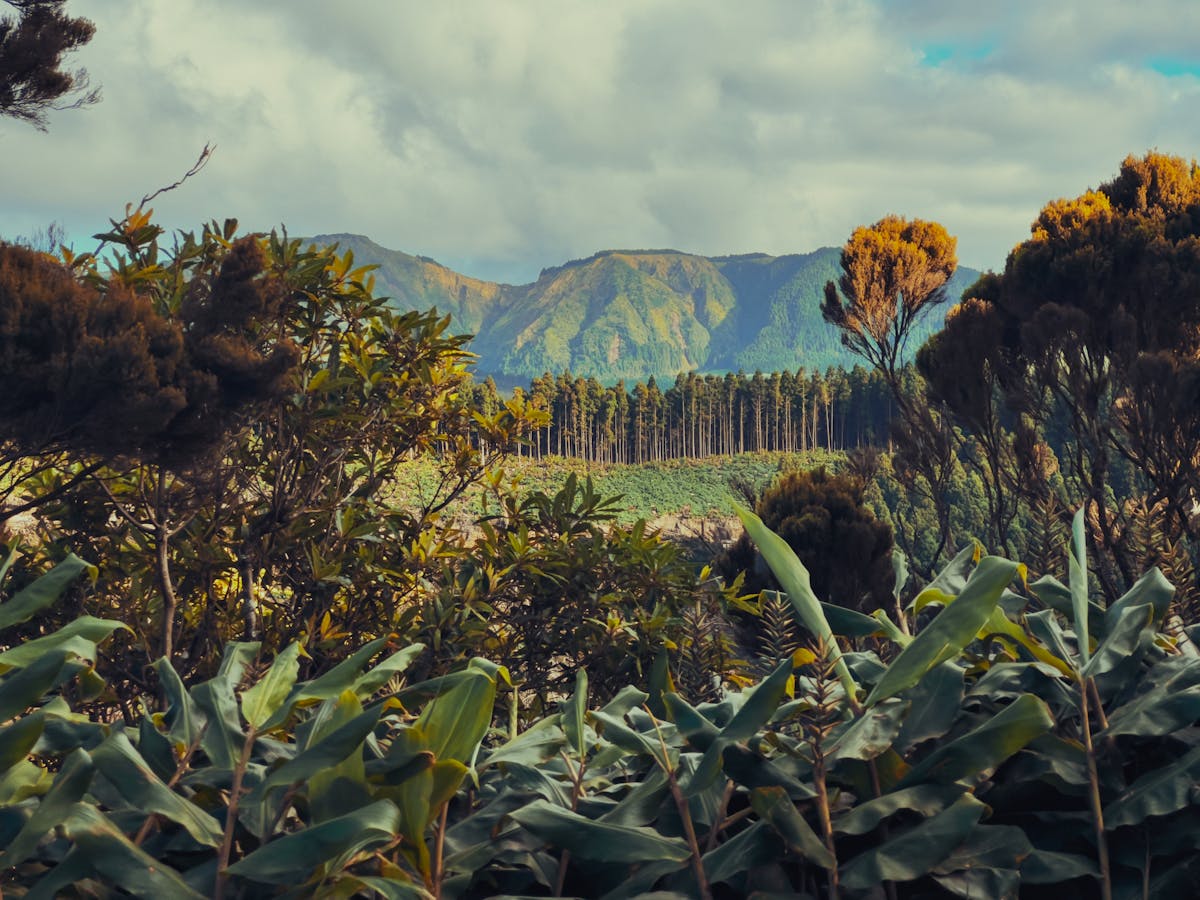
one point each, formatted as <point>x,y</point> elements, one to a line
<point>634,313</point>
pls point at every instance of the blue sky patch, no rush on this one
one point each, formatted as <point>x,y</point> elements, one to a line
<point>937,55</point>
<point>1174,67</point>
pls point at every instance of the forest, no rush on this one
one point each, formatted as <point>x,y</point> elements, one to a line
<point>702,415</point>
<point>951,651</point>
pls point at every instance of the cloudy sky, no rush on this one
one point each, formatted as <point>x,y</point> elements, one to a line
<point>500,136</point>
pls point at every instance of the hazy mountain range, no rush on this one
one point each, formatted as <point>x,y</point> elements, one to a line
<point>634,313</point>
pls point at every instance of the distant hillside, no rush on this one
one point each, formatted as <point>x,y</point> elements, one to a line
<point>634,313</point>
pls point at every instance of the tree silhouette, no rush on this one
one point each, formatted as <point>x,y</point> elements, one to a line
<point>32,47</point>
<point>823,518</point>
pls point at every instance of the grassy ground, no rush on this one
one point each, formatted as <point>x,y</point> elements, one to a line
<point>692,490</point>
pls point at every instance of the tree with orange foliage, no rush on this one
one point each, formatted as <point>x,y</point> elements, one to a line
<point>893,273</point>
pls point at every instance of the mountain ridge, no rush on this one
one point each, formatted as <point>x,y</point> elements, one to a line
<point>630,314</point>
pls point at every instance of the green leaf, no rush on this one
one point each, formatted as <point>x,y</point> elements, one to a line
<point>340,787</point>
<point>43,592</point>
<point>1157,793</point>
<point>1077,579</point>
<point>950,631</point>
<point>455,722</point>
<point>851,623</point>
<point>574,715</point>
<point>926,799</point>
<point>794,578</point>
<point>1170,702</point>
<point>292,859</point>
<point>1151,588</point>
<point>691,723</point>
<point>1131,635</point>
<point>935,703</point>
<point>755,712</point>
<point>184,720</point>
<point>120,763</point>
<point>266,697</point>
<point>222,735</point>
<point>79,637</point>
<point>599,841</point>
<point>70,784</point>
<point>899,572</point>
<point>536,744</point>
<point>756,846</point>
<point>115,857</point>
<point>388,888</point>
<point>26,688</point>
<point>868,735</point>
<point>349,675</point>
<point>323,754</point>
<point>17,739</point>
<point>1048,867</point>
<point>916,852</point>
<point>775,807</point>
<point>984,748</point>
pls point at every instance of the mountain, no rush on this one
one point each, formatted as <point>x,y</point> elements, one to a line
<point>635,313</point>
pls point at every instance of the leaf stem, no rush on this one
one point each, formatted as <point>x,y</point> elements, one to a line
<point>235,792</point>
<point>1094,793</point>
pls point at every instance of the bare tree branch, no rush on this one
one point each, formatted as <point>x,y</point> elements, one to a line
<point>200,163</point>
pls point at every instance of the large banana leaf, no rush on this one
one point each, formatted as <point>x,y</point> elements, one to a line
<point>984,748</point>
<point>915,853</point>
<point>953,628</point>
<point>794,578</point>
<point>292,859</point>
<point>600,841</point>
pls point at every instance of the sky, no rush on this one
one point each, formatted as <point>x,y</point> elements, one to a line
<point>502,136</point>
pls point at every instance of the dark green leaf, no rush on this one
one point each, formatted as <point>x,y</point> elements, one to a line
<point>1132,633</point>
<point>935,703</point>
<point>926,799</point>
<point>598,841</point>
<point>70,784</point>
<point>290,860</point>
<point>916,852</point>
<point>775,807</point>
<point>115,857</point>
<point>869,734</point>
<point>119,762</point>
<point>261,701</point>
<point>747,850</point>
<point>79,637</point>
<point>981,750</point>
<point>1157,793</point>
<point>28,601</point>
<point>794,578</point>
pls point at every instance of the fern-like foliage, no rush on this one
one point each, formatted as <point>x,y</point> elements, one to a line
<point>777,636</point>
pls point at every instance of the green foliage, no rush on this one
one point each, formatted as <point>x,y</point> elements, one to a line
<point>235,485</point>
<point>551,585</point>
<point>987,759</point>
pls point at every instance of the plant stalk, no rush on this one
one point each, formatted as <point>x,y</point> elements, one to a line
<point>1094,793</point>
<point>826,821</point>
<point>235,796</point>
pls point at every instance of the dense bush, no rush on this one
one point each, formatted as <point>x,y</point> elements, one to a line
<point>1027,739</point>
<point>825,521</point>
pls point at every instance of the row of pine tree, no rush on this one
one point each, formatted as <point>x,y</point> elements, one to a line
<point>702,415</point>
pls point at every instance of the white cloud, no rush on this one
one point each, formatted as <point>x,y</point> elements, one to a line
<point>503,136</point>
